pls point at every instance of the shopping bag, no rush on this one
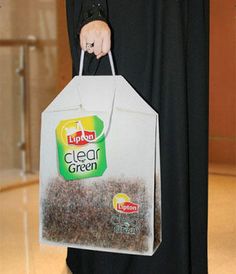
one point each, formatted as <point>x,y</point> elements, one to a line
<point>100,186</point>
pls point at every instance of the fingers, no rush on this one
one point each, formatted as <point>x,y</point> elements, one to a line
<point>87,42</point>
<point>98,46</point>
<point>95,37</point>
<point>105,47</point>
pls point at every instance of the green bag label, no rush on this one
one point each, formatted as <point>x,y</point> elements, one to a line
<point>79,155</point>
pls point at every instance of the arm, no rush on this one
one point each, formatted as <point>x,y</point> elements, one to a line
<point>94,28</point>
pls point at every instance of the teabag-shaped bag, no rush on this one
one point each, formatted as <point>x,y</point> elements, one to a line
<point>100,168</point>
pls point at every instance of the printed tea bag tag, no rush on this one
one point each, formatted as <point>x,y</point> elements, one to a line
<point>80,154</point>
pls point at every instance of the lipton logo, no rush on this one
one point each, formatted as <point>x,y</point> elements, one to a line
<point>76,138</point>
<point>122,204</point>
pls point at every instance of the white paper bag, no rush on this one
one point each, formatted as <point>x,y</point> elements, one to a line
<point>100,168</point>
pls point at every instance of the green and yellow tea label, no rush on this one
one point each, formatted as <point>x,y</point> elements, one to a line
<point>80,153</point>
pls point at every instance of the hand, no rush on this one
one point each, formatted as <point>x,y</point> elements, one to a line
<point>95,37</point>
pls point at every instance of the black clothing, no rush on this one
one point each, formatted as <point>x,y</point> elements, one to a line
<point>161,48</point>
<point>93,10</point>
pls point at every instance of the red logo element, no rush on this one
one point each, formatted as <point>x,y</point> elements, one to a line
<point>128,207</point>
<point>77,139</point>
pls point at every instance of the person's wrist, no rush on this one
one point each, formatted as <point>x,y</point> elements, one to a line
<point>96,12</point>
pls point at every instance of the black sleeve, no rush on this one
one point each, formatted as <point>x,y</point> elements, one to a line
<point>93,10</point>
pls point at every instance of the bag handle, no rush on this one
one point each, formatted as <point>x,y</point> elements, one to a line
<point>81,65</point>
<point>104,132</point>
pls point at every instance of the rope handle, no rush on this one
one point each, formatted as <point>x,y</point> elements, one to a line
<point>104,132</point>
<point>81,65</point>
